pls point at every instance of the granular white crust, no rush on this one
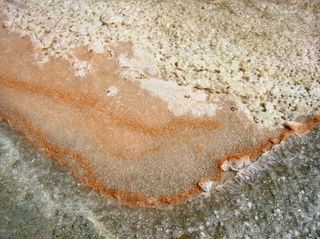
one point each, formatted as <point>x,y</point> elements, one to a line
<point>266,54</point>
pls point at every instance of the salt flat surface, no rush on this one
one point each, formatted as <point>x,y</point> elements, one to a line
<point>276,198</point>
<point>266,53</point>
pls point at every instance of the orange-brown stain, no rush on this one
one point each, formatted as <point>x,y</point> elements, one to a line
<point>131,198</point>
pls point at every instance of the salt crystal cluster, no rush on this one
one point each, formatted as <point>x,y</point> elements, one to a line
<point>112,91</point>
<point>236,165</point>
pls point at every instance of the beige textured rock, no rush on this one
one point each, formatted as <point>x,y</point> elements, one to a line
<point>148,101</point>
<point>264,53</point>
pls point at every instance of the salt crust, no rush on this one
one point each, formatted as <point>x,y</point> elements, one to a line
<point>139,66</point>
<point>207,187</point>
<point>266,54</point>
<point>182,99</point>
<point>236,165</point>
<point>97,47</point>
<point>112,91</point>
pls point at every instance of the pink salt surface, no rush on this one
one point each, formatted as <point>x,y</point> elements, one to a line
<point>129,146</point>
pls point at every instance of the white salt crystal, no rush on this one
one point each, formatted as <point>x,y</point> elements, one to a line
<point>97,47</point>
<point>112,91</point>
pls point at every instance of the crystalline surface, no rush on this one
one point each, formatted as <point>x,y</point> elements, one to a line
<point>130,142</point>
<point>158,111</point>
<point>277,197</point>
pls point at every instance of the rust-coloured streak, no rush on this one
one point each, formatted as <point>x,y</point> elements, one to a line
<point>87,176</point>
<point>81,100</point>
<point>84,101</point>
<point>39,140</point>
<point>266,146</point>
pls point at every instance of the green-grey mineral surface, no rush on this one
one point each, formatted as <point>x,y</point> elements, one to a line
<point>277,197</point>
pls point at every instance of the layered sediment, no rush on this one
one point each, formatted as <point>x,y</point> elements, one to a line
<point>124,123</point>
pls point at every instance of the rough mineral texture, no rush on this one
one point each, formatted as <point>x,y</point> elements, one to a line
<point>184,106</point>
<point>278,197</point>
<point>264,52</point>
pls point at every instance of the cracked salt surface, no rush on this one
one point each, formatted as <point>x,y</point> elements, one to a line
<point>276,197</point>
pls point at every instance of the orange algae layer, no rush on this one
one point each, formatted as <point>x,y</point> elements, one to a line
<point>86,175</point>
<point>128,146</point>
<point>128,198</point>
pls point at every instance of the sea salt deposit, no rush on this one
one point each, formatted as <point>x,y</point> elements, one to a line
<point>112,91</point>
<point>253,51</point>
<point>227,61</point>
<point>182,99</point>
<point>278,197</point>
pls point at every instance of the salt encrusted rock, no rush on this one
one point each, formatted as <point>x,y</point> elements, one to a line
<point>206,186</point>
<point>138,66</point>
<point>273,76</point>
<point>182,99</point>
<point>236,165</point>
<point>75,121</point>
<point>97,47</point>
<point>267,66</point>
